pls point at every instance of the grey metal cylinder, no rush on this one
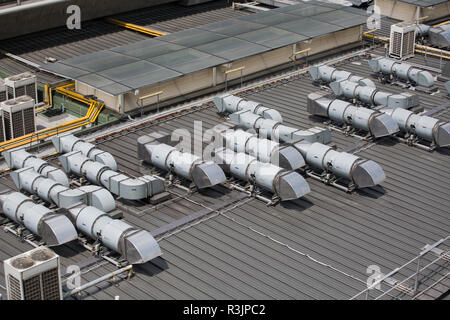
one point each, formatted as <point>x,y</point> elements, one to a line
<point>330,74</point>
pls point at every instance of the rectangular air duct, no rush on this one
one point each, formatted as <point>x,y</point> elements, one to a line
<point>402,40</point>
<point>18,117</point>
<point>21,84</point>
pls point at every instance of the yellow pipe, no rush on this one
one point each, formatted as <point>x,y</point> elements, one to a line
<point>135,27</point>
<point>234,70</point>
<point>441,24</point>
<point>433,54</point>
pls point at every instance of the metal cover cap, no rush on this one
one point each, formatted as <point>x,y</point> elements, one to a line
<point>292,186</point>
<point>56,230</point>
<point>383,125</point>
<point>207,175</point>
<point>368,174</point>
<point>141,247</point>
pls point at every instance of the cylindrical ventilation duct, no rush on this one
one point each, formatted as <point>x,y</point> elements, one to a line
<point>378,124</point>
<point>373,96</point>
<point>402,70</point>
<point>51,191</point>
<point>135,245</point>
<point>68,143</point>
<point>230,104</point>
<point>19,158</point>
<point>204,174</point>
<point>117,183</point>
<point>329,74</point>
<point>54,229</point>
<point>287,185</point>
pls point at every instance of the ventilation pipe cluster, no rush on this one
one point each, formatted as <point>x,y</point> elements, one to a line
<point>287,185</point>
<point>263,150</point>
<point>204,174</point>
<point>19,158</point>
<point>54,229</point>
<point>378,124</point>
<point>401,70</point>
<point>119,184</point>
<point>373,96</point>
<point>439,37</point>
<point>363,173</point>
<point>230,104</point>
<point>135,245</point>
<point>51,191</point>
<point>329,74</point>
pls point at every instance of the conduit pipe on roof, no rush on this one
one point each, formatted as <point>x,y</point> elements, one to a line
<point>55,229</point>
<point>373,96</point>
<point>402,70</point>
<point>19,158</point>
<point>204,174</point>
<point>378,124</point>
<point>135,245</point>
<point>51,191</point>
<point>117,183</point>
<point>229,103</point>
<point>68,143</point>
<point>329,74</point>
<point>287,185</point>
<point>264,150</point>
<point>363,173</point>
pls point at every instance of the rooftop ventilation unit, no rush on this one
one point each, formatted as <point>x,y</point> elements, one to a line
<point>373,96</point>
<point>329,74</point>
<point>361,173</point>
<point>402,40</point>
<point>287,185</point>
<point>135,245</point>
<point>54,229</point>
<point>438,37</point>
<point>20,85</point>
<point>228,104</point>
<point>264,150</point>
<point>447,86</point>
<point>376,123</point>
<point>204,174</point>
<point>53,192</point>
<point>3,94</point>
<point>18,117</point>
<point>117,183</point>
<point>68,143</point>
<point>402,70</point>
<point>19,158</point>
<point>33,275</point>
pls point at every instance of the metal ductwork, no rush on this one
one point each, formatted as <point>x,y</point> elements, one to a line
<point>51,191</point>
<point>230,104</point>
<point>287,185</point>
<point>274,130</point>
<point>264,150</point>
<point>378,124</point>
<point>204,174</point>
<point>447,86</point>
<point>19,158</point>
<point>402,70</point>
<point>427,128</point>
<point>54,229</point>
<point>117,183</point>
<point>329,74</point>
<point>68,143</point>
<point>135,245</point>
<point>373,96</point>
<point>439,37</point>
<point>363,173</point>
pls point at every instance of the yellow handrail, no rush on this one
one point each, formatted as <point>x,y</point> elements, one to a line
<point>135,27</point>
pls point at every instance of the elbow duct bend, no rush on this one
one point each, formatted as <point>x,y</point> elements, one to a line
<point>373,96</point>
<point>135,245</point>
<point>363,173</point>
<point>51,191</point>
<point>230,104</point>
<point>287,185</point>
<point>68,143</point>
<point>264,150</point>
<point>19,158</point>
<point>329,74</point>
<point>119,184</point>
<point>204,174</point>
<point>378,124</point>
<point>402,70</point>
<point>427,128</point>
<point>54,229</point>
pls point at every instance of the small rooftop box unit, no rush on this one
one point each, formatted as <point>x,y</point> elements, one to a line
<point>2,91</point>
<point>18,117</point>
<point>33,275</point>
<point>21,84</point>
<point>403,37</point>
